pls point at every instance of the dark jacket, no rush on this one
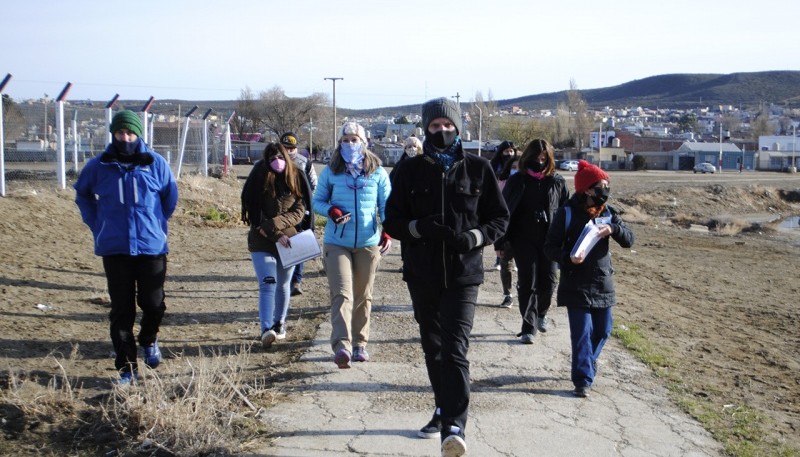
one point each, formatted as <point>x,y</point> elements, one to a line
<point>590,284</point>
<point>468,198</point>
<point>514,190</point>
<point>284,215</point>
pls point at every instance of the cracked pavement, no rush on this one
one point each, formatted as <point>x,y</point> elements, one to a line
<point>521,402</point>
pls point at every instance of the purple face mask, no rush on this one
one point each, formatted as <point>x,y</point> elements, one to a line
<point>278,165</point>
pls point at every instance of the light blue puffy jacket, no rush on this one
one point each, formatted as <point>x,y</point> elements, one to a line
<point>365,199</point>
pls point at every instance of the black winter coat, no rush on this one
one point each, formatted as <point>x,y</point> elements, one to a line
<point>467,196</point>
<point>590,284</point>
<point>514,190</point>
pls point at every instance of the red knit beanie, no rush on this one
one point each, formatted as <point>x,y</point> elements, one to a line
<point>587,175</point>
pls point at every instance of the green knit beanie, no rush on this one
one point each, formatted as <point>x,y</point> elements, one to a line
<point>127,119</point>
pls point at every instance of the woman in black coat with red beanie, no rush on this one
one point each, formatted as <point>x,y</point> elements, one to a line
<point>586,286</point>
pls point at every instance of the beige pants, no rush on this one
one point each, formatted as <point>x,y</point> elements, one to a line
<point>351,273</point>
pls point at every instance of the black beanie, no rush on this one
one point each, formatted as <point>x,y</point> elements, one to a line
<point>441,107</point>
<point>127,119</point>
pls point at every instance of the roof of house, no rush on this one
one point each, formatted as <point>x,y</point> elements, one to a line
<point>693,146</point>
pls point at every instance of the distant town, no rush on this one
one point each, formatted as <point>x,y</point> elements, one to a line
<point>727,137</point>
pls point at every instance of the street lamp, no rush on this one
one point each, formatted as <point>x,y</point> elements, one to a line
<point>333,80</point>
<point>794,141</point>
<point>480,129</point>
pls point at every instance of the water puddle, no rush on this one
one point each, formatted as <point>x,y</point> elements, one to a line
<point>790,223</point>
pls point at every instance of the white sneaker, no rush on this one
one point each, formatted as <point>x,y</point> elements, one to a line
<point>268,337</point>
<point>526,338</point>
<point>454,446</point>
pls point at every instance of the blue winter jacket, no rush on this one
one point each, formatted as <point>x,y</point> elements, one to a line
<point>127,208</point>
<point>364,197</point>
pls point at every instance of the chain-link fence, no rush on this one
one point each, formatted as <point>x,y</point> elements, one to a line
<point>31,139</point>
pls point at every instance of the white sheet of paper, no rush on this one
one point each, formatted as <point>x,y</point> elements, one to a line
<point>589,237</point>
<point>304,247</point>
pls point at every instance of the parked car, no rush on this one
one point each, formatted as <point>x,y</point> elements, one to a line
<point>569,165</point>
<point>705,167</point>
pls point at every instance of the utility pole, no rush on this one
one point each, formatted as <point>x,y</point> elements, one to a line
<point>333,80</point>
<point>457,96</point>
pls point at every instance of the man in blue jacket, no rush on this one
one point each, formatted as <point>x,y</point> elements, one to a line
<point>126,195</point>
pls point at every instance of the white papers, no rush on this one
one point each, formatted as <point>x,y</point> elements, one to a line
<point>304,247</point>
<point>589,237</point>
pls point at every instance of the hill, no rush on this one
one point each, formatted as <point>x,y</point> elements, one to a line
<point>683,91</point>
<point>680,90</point>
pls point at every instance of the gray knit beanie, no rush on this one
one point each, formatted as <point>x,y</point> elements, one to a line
<point>441,107</point>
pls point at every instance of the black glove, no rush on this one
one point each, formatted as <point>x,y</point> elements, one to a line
<point>432,227</point>
<point>463,242</point>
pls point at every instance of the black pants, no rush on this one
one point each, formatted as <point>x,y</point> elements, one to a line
<point>507,267</point>
<point>445,322</point>
<point>133,279</point>
<point>536,276</point>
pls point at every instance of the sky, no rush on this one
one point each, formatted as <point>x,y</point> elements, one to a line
<point>389,53</point>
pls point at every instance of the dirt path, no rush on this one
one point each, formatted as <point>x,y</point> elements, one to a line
<point>722,308</point>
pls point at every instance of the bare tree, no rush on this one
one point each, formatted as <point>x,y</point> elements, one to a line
<point>577,108</point>
<point>14,125</point>
<point>483,117</point>
<point>282,114</point>
<point>247,118</point>
<point>521,130</point>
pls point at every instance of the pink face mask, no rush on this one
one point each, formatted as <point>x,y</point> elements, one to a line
<point>278,165</point>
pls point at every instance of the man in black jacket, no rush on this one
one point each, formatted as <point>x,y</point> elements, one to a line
<point>445,206</point>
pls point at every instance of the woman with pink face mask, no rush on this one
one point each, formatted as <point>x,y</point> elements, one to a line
<point>274,201</point>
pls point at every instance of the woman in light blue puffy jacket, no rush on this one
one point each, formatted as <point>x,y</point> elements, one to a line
<point>352,192</point>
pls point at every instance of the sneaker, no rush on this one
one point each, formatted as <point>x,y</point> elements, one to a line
<point>432,429</point>
<point>126,379</point>
<point>342,358</point>
<point>508,300</point>
<point>296,290</point>
<point>360,354</point>
<point>454,446</point>
<point>152,355</point>
<point>581,392</point>
<point>268,337</point>
<point>542,324</point>
<point>280,331</point>
<point>526,338</point>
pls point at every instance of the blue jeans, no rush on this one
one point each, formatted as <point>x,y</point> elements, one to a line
<point>297,276</point>
<point>273,289</point>
<point>589,329</point>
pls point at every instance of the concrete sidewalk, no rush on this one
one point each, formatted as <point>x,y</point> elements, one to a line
<point>521,403</point>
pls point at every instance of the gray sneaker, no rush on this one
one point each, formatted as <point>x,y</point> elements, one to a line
<point>508,300</point>
<point>526,338</point>
<point>543,324</point>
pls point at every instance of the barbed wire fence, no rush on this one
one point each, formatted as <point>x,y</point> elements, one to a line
<point>30,149</point>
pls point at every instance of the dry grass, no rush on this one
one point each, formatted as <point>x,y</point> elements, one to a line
<point>207,405</point>
<point>200,406</point>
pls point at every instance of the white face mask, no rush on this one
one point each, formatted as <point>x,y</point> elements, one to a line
<point>411,152</point>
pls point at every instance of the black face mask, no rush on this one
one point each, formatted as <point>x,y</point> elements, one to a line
<point>536,166</point>
<point>601,195</point>
<point>124,148</point>
<point>442,139</point>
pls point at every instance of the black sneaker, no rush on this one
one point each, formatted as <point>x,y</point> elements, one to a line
<point>432,429</point>
<point>508,300</point>
<point>296,290</point>
<point>280,331</point>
